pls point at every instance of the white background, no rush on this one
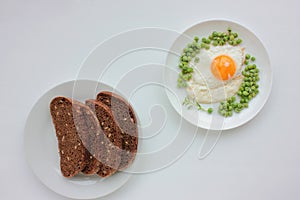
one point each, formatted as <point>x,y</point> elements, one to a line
<point>42,43</point>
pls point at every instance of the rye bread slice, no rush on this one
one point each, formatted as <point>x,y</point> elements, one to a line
<point>111,152</point>
<point>69,119</point>
<point>125,118</point>
<point>92,165</point>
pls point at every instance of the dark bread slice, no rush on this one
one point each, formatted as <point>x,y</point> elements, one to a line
<point>125,118</point>
<point>69,118</point>
<point>110,157</point>
<point>92,165</point>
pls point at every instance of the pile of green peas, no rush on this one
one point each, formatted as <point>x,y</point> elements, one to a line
<point>187,55</point>
<point>247,91</point>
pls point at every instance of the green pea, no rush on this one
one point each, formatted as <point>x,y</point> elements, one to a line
<point>253,58</point>
<point>207,47</point>
<point>247,56</point>
<point>223,35</point>
<point>215,33</point>
<point>235,35</point>
<point>245,93</point>
<point>194,45</point>
<point>230,42</point>
<point>223,112</point>
<point>190,69</point>
<point>246,62</point>
<point>185,58</point>
<point>231,37</point>
<point>215,43</point>
<point>245,105</point>
<point>196,39</point>
<point>189,58</point>
<point>239,41</point>
<point>237,110</point>
<point>193,54</point>
<point>229,29</point>
<point>210,110</point>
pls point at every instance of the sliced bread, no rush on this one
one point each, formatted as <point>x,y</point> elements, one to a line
<point>69,119</point>
<point>111,151</point>
<point>124,116</point>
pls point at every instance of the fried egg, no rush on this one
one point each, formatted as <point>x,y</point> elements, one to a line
<point>217,75</point>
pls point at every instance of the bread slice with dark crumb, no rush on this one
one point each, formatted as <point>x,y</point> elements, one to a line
<point>125,118</point>
<point>73,133</point>
<point>111,150</point>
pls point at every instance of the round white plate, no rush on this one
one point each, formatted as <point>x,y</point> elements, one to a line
<point>214,121</point>
<point>42,151</point>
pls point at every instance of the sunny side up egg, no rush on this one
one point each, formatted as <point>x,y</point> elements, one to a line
<point>217,75</point>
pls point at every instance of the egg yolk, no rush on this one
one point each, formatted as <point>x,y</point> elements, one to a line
<point>223,67</point>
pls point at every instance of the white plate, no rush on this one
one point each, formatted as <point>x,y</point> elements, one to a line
<point>252,45</point>
<point>42,151</point>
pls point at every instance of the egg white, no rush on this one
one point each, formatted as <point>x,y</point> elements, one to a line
<point>204,86</point>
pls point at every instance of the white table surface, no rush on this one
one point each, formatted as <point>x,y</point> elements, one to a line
<point>43,43</point>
